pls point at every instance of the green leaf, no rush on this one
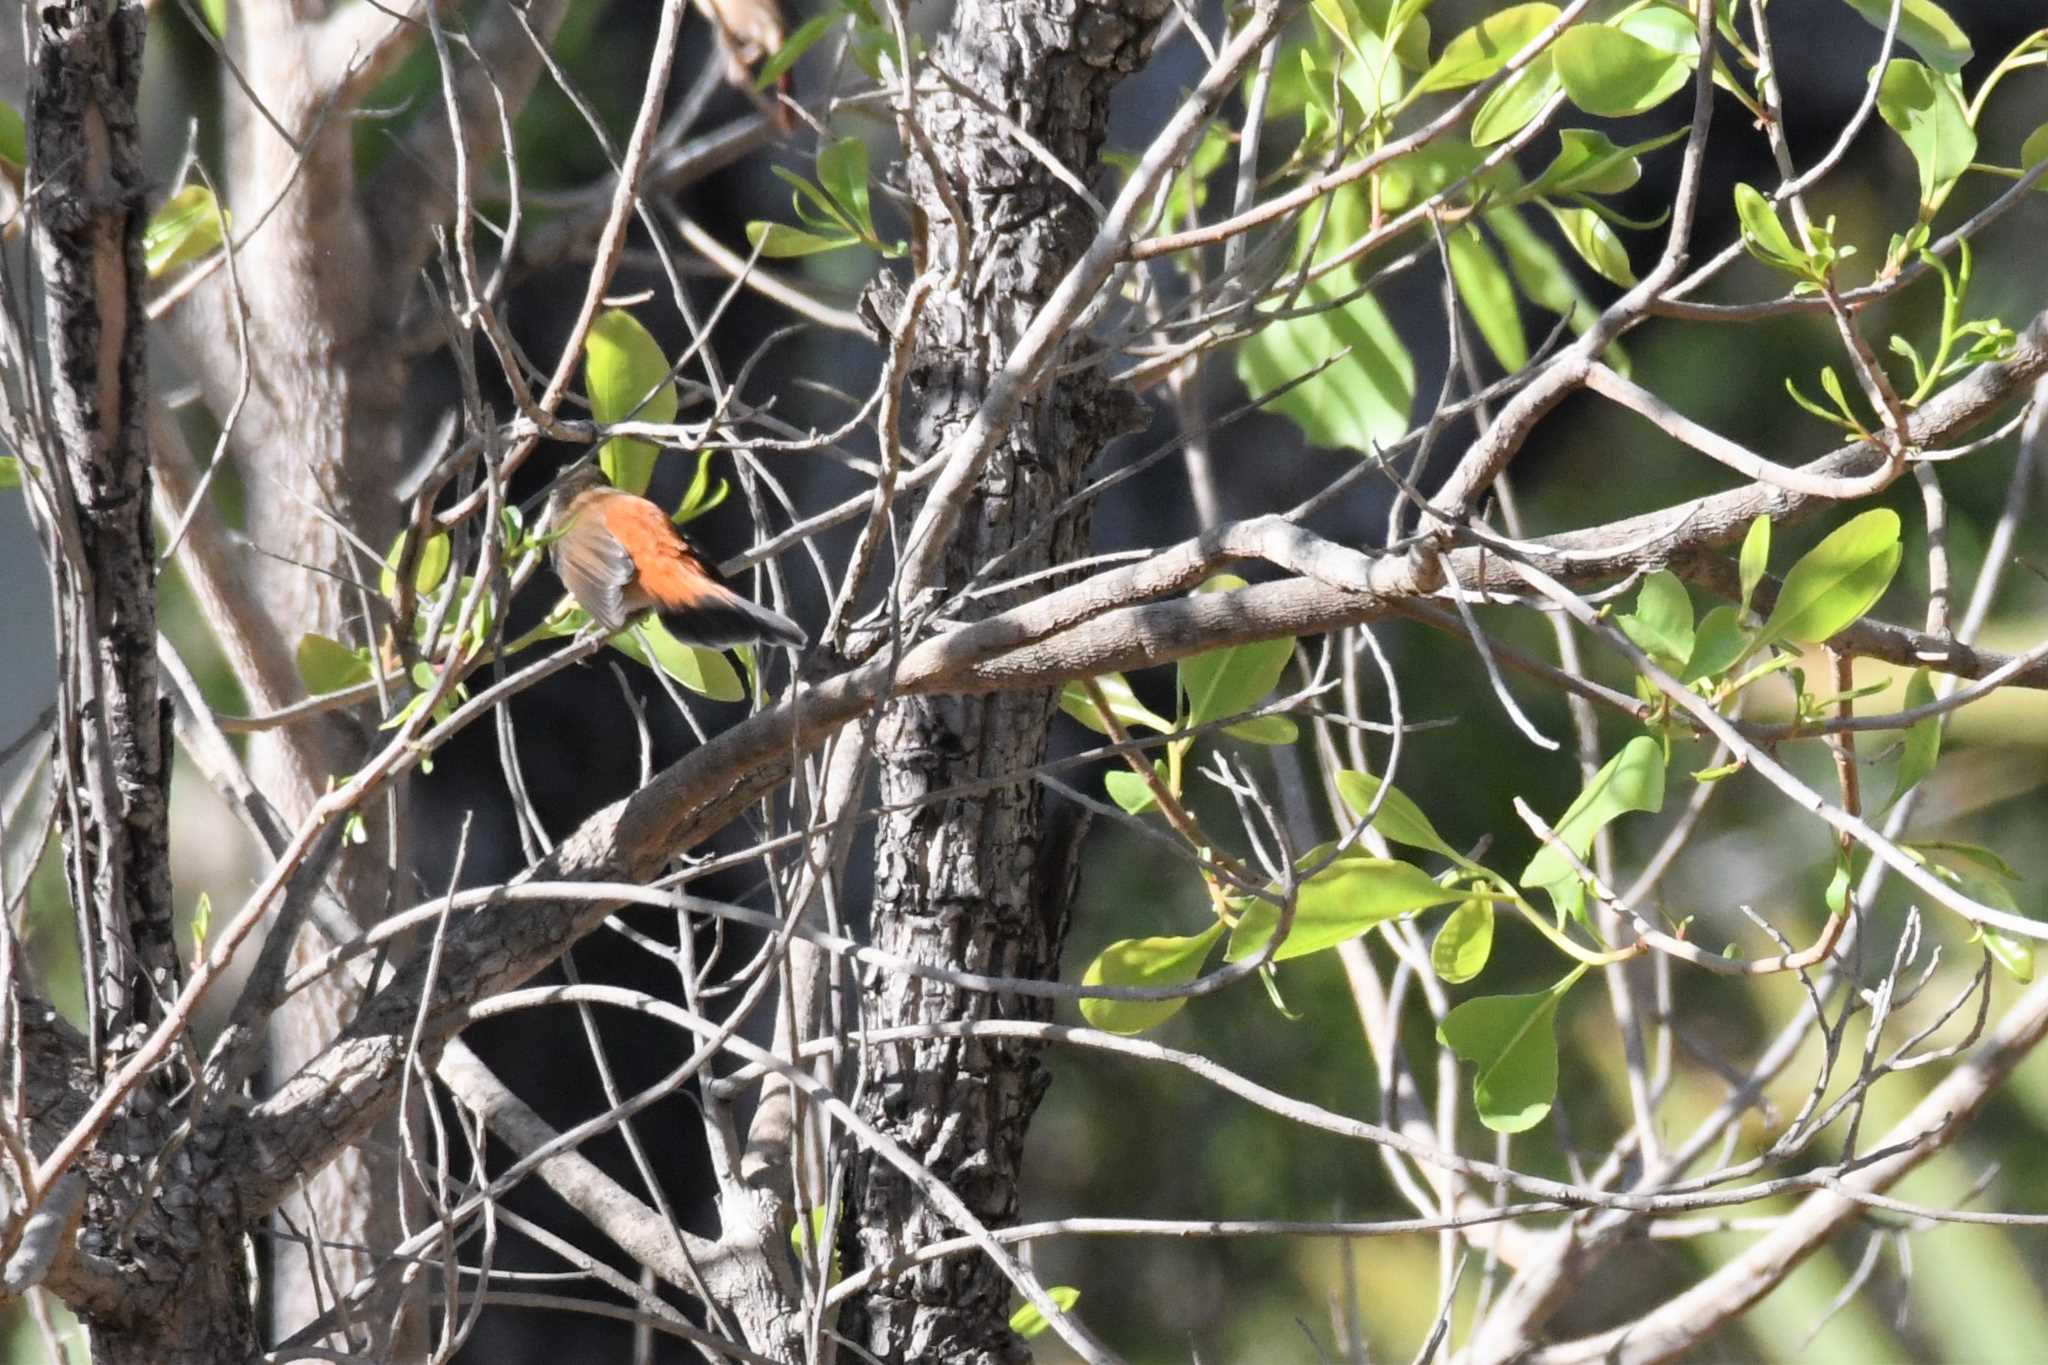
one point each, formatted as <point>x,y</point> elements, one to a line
<point>329,665</point>
<point>1130,791</point>
<point>1717,643</point>
<point>1927,113</point>
<point>1363,398</point>
<point>13,137</point>
<point>1512,1041</point>
<point>1272,731</point>
<point>1837,580</point>
<point>1540,273</point>
<point>1633,780</point>
<point>780,240</point>
<point>427,573</point>
<point>1923,26</point>
<point>1224,682</point>
<point>1614,73</point>
<point>1661,624</point>
<point>1514,102</point>
<point>1756,557</point>
<point>2035,149</point>
<point>701,497</point>
<point>1763,232</point>
<point>1399,819</point>
<point>1463,942</point>
<point>1991,858</point>
<point>843,173</point>
<point>1144,962</point>
<point>1028,1322</point>
<point>185,227</point>
<point>1489,296</point>
<point>1342,901</point>
<point>2016,955</point>
<point>799,42</point>
<point>1595,242</point>
<point>628,378</point>
<point>10,473</point>
<point>807,1234</point>
<point>703,671</point>
<point>1590,163</point>
<point>1123,704</point>
<point>1486,47</point>
<point>1921,749</point>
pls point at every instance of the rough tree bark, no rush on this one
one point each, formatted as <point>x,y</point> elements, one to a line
<point>962,882</point>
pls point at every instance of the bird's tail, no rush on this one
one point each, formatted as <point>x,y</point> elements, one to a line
<point>726,618</point>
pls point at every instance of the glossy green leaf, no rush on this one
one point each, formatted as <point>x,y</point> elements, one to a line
<point>1588,162</point>
<point>329,665</point>
<point>1132,793</point>
<point>1514,102</point>
<point>1756,558</point>
<point>1926,112</point>
<point>1661,624</point>
<point>1489,296</point>
<point>793,49</point>
<point>1272,731</point>
<point>1923,26</point>
<point>1486,47</point>
<point>1144,962</point>
<point>1763,232</point>
<point>185,227</point>
<point>781,241</point>
<point>1123,704</point>
<point>1838,580</point>
<point>706,672</point>
<point>1633,780</point>
<point>627,377</point>
<point>13,137</point>
<point>1717,643</point>
<point>1224,682</point>
<point>1342,901</point>
<point>1511,1040</point>
<point>843,173</point>
<point>702,494</point>
<point>2016,955</point>
<point>1364,398</point>
<point>1463,942</point>
<point>1595,242</point>
<point>1398,819</point>
<point>1614,73</point>
<point>1028,1322</point>
<point>1921,749</point>
<point>428,571</point>
<point>10,473</point>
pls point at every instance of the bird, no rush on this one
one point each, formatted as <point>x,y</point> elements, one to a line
<point>620,557</point>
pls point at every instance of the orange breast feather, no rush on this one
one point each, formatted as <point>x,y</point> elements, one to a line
<point>671,576</point>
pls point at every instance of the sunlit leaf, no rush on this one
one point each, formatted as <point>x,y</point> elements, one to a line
<point>13,137</point>
<point>1633,780</point>
<point>1489,295</point>
<point>1923,26</point>
<point>1398,818</point>
<point>1838,580</point>
<point>1514,102</point>
<point>1123,704</point>
<point>428,571</point>
<point>1225,682</point>
<point>1486,47</point>
<point>703,671</point>
<point>843,173</point>
<point>1271,731</point>
<point>1717,642</point>
<point>185,227</point>
<point>1588,162</point>
<point>1028,1322</point>
<point>1463,942</point>
<point>1763,232</point>
<point>1614,73</point>
<point>1511,1041</point>
<point>780,240</point>
<point>1661,624</point>
<point>329,665</point>
<point>1927,113</point>
<point>627,377</point>
<point>1131,792</point>
<point>798,43</point>
<point>1342,901</point>
<point>1144,962</point>
<point>10,473</point>
<point>1921,750</point>
<point>1756,557</point>
<point>1595,242</point>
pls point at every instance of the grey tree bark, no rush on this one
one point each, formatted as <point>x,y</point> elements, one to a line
<point>965,883</point>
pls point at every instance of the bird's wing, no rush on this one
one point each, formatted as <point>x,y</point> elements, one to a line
<point>672,575</point>
<point>594,566</point>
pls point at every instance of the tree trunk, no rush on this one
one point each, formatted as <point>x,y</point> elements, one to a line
<point>962,882</point>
